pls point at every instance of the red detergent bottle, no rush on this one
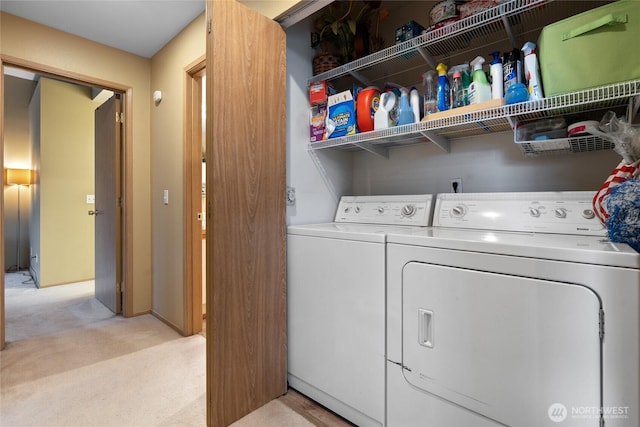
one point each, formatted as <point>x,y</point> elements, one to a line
<point>367,104</point>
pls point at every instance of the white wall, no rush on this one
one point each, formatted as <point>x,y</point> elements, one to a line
<point>486,163</point>
<point>319,177</point>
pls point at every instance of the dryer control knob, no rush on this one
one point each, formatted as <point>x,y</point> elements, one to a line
<point>458,211</point>
<point>534,212</point>
<point>380,210</point>
<point>588,214</point>
<point>408,210</point>
<point>560,212</point>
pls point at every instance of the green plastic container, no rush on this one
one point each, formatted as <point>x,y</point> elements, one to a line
<point>594,48</point>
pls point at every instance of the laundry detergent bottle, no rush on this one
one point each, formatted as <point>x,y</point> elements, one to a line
<point>443,88</point>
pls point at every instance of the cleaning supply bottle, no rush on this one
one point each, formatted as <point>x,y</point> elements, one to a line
<point>466,81</point>
<point>414,100</point>
<point>532,71</point>
<point>480,89</point>
<point>457,91</point>
<point>443,87</point>
<point>497,78</point>
<point>511,68</point>
<point>405,112</point>
<point>381,119</point>
<point>430,93</point>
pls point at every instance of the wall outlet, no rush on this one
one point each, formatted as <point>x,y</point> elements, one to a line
<point>456,185</point>
<point>291,196</point>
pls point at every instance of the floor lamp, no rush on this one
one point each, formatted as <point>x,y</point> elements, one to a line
<point>17,177</point>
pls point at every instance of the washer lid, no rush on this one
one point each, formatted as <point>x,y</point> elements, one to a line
<point>362,232</point>
<point>560,247</point>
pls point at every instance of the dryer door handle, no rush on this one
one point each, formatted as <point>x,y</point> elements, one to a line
<point>425,327</point>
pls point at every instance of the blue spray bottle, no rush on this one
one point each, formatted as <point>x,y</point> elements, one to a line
<point>443,88</point>
<point>405,112</point>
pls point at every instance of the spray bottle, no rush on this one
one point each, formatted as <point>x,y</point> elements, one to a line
<point>480,89</point>
<point>532,71</point>
<point>497,79</point>
<point>405,112</point>
<point>430,93</point>
<point>414,100</point>
<point>465,77</point>
<point>443,87</point>
<point>457,91</point>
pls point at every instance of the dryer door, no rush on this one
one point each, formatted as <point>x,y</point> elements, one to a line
<point>518,350</point>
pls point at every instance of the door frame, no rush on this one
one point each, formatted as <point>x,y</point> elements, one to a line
<point>192,160</point>
<point>127,171</point>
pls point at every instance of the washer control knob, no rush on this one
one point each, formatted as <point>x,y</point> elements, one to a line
<point>534,212</point>
<point>356,209</point>
<point>380,209</point>
<point>458,211</point>
<point>560,212</point>
<point>347,210</point>
<point>408,210</point>
<point>588,214</point>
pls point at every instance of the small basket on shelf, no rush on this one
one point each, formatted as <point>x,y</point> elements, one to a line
<point>324,62</point>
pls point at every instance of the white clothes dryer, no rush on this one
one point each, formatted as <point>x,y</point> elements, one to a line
<point>513,309</point>
<point>336,290</point>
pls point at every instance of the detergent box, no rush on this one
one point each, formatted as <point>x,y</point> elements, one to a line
<point>341,117</point>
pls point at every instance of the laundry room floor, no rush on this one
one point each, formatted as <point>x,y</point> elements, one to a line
<point>66,353</point>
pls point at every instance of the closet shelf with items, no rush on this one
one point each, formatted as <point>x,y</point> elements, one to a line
<point>510,19</point>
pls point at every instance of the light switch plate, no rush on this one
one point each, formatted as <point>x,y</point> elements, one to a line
<point>91,199</point>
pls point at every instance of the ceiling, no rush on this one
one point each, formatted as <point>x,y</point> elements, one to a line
<point>141,27</point>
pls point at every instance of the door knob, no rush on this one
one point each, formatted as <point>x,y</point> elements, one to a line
<point>96,212</point>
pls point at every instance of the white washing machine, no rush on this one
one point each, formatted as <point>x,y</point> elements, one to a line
<point>513,309</point>
<point>336,289</point>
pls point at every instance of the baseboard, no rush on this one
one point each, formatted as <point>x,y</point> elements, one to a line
<point>166,322</point>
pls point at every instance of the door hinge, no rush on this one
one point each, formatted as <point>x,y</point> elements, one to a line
<point>209,26</point>
<point>119,201</point>
<point>601,324</point>
<point>119,117</point>
<point>118,287</point>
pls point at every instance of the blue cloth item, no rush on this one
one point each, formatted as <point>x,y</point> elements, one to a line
<point>623,205</point>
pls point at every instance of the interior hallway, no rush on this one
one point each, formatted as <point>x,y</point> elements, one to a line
<point>69,361</point>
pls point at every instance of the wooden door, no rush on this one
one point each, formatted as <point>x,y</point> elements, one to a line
<point>107,211</point>
<point>246,218</point>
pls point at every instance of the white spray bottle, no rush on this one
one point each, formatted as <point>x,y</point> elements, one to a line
<point>532,71</point>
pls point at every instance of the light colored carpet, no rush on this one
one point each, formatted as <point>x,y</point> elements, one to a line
<point>70,362</point>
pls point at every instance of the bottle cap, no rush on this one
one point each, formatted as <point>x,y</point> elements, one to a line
<point>457,75</point>
<point>477,63</point>
<point>442,69</point>
<point>496,58</point>
<point>529,48</point>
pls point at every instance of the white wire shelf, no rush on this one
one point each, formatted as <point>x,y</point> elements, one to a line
<point>478,28</point>
<point>495,119</point>
<point>442,41</point>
